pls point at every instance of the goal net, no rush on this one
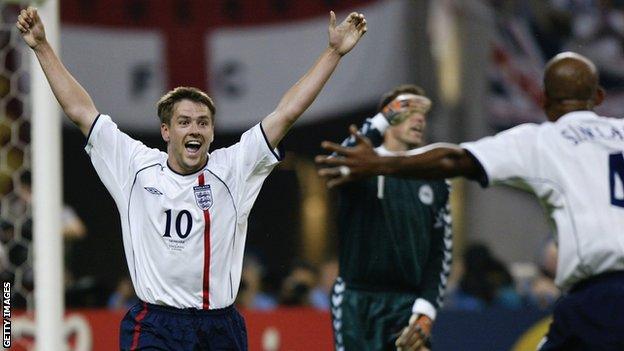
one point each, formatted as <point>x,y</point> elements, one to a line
<point>16,263</point>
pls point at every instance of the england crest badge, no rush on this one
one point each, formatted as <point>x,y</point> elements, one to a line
<point>203,196</point>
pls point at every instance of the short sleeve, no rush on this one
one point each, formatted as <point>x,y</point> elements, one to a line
<point>114,155</point>
<point>253,154</point>
<point>249,162</point>
<point>507,156</point>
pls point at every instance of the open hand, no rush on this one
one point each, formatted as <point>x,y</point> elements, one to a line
<point>351,163</point>
<point>344,36</point>
<point>31,27</point>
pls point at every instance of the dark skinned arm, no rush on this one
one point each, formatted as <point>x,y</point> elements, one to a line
<point>441,161</point>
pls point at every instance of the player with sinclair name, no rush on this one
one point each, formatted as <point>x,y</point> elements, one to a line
<point>184,212</point>
<point>574,164</point>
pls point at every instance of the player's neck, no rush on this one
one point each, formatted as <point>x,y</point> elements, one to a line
<point>562,109</point>
<point>394,145</point>
<point>178,169</point>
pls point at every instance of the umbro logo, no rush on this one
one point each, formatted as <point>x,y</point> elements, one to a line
<point>152,190</point>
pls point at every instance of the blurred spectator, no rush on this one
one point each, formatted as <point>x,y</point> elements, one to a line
<point>85,292</point>
<point>250,295</point>
<point>72,225</point>
<point>551,26</point>
<point>515,71</point>
<point>73,228</point>
<point>598,33</point>
<point>543,292</point>
<point>297,286</point>
<point>486,282</point>
<point>320,294</point>
<point>123,297</point>
<point>82,292</point>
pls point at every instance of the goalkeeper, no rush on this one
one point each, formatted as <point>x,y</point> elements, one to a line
<point>395,239</point>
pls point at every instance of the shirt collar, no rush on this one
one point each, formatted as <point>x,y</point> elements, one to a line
<point>577,114</point>
<point>197,172</point>
<point>382,151</point>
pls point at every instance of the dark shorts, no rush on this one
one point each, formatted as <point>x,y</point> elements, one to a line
<point>152,327</point>
<point>590,317</point>
<point>368,320</point>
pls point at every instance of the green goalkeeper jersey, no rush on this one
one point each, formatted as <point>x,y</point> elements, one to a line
<point>395,233</point>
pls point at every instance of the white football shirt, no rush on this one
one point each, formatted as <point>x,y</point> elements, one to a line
<point>575,166</point>
<point>183,235</point>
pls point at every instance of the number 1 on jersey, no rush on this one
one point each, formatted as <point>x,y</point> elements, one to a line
<point>616,179</point>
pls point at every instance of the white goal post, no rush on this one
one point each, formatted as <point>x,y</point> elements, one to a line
<point>47,196</point>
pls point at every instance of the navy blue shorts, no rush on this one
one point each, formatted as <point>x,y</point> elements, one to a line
<point>152,327</point>
<point>590,317</point>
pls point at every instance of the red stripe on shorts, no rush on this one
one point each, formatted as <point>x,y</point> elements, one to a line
<point>206,284</point>
<point>137,327</point>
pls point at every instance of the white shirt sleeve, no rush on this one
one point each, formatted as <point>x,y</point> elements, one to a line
<point>380,123</point>
<point>509,156</point>
<point>114,155</point>
<point>422,306</point>
<point>249,162</point>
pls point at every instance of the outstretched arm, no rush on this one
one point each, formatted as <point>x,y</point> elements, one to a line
<point>72,97</point>
<point>342,38</point>
<point>441,161</point>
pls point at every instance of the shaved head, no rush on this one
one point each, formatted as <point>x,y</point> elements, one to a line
<point>570,84</point>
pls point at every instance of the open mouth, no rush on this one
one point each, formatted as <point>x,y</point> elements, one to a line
<point>192,147</point>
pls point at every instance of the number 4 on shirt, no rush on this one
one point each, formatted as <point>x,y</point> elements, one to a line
<point>616,179</point>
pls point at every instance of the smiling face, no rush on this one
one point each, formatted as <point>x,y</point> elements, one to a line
<point>188,136</point>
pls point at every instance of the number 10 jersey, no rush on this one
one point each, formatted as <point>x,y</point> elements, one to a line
<point>183,235</point>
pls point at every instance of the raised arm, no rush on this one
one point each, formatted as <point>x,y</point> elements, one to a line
<point>342,38</point>
<point>72,97</point>
<point>441,161</point>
